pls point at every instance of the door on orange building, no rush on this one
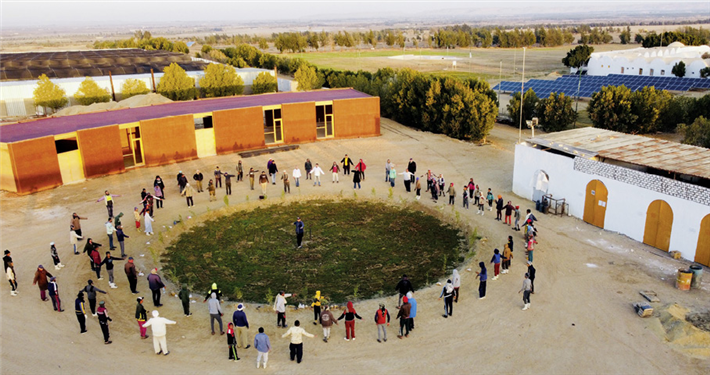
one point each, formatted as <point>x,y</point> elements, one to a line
<point>324,121</point>
<point>595,203</point>
<point>702,252</point>
<point>132,147</point>
<point>659,223</point>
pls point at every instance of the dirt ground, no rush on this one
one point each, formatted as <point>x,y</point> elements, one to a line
<point>581,319</point>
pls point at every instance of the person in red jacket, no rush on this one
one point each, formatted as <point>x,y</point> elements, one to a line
<point>349,314</point>
<point>96,258</point>
<point>382,317</point>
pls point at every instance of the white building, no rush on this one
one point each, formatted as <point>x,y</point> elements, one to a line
<point>656,61</point>
<point>16,96</point>
<point>654,191</point>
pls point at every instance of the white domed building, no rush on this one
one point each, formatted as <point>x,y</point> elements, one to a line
<point>656,61</point>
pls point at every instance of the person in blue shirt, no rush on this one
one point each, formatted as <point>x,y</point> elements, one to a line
<point>496,264</point>
<point>412,311</point>
<point>299,231</point>
<point>483,277</point>
<point>242,325</point>
<point>262,346</point>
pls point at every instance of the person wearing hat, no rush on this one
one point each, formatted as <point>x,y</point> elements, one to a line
<point>526,290</point>
<point>103,321</point>
<point>299,231</point>
<point>326,321</point>
<point>40,280</point>
<point>157,325</point>
<point>382,317</point>
<point>403,316</point>
<point>54,294</point>
<point>131,274</point>
<point>155,283</point>
<point>80,310</point>
<point>184,296</point>
<point>55,256</point>
<point>90,291</point>
<point>242,325</point>
<point>531,273</point>
<point>141,317</point>
<point>10,272</point>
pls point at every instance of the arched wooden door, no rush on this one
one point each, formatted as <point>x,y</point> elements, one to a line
<point>659,222</point>
<point>702,252</point>
<point>595,203</point>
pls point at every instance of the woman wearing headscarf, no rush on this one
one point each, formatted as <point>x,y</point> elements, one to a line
<point>148,223</point>
<point>159,183</point>
<point>483,276</point>
<point>349,314</point>
<point>447,292</point>
<point>456,281</point>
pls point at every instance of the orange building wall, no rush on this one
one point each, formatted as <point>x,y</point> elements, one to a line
<point>168,140</point>
<point>356,117</point>
<point>299,122</point>
<point>101,151</point>
<point>238,129</point>
<point>35,165</point>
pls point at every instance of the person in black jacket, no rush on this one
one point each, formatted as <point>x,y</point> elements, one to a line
<point>121,237</point>
<point>80,311</point>
<point>198,177</point>
<point>308,167</point>
<point>347,163</point>
<point>103,321</point>
<point>141,317</point>
<point>272,171</point>
<point>182,181</point>
<point>531,272</point>
<point>214,290</point>
<point>90,291</point>
<point>412,168</point>
<point>403,286</point>
<point>108,261</point>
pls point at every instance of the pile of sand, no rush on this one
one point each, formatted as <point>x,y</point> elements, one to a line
<point>132,102</point>
<point>681,335</point>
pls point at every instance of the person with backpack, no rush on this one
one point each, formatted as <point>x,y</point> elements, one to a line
<point>326,321</point>
<point>349,314</point>
<point>447,292</point>
<point>382,321</point>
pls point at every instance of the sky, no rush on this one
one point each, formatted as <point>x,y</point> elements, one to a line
<point>80,13</point>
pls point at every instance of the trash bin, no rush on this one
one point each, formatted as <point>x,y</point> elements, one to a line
<point>697,276</point>
<point>538,204</point>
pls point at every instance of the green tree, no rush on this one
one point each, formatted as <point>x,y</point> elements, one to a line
<point>206,49</point>
<point>578,56</point>
<point>89,93</point>
<point>705,72</point>
<point>400,39</point>
<point>308,78</point>
<point>638,38</point>
<point>221,80</point>
<point>679,69</point>
<point>625,36</point>
<point>555,113</point>
<point>49,95</point>
<point>648,104</point>
<point>263,83</point>
<point>181,47</point>
<point>390,38</point>
<point>697,134</point>
<point>217,55</point>
<point>176,84</point>
<point>263,44</point>
<point>133,87</point>
<point>610,108</point>
<point>530,101</point>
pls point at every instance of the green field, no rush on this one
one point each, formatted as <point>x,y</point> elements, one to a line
<point>352,249</point>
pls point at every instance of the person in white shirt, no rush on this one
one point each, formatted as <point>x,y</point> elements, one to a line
<point>317,172</point>
<point>280,308</point>
<point>148,223</point>
<point>297,175</point>
<point>74,239</point>
<point>157,326</point>
<point>296,345</point>
<point>109,231</point>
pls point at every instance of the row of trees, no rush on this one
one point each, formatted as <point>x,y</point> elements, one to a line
<point>148,43</point>
<point>554,113</point>
<point>689,36</point>
<point>49,95</point>
<point>466,36</point>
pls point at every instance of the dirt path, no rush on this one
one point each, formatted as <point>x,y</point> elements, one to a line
<point>581,320</point>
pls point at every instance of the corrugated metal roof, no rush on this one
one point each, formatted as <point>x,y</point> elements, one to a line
<point>635,149</point>
<point>66,124</point>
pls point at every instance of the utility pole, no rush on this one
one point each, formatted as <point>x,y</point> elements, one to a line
<point>522,97</point>
<point>500,82</point>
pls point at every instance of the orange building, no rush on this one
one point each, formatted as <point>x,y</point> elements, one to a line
<point>45,153</point>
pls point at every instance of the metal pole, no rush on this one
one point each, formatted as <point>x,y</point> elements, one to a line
<point>579,84</point>
<point>152,77</point>
<point>113,93</point>
<point>500,82</point>
<point>522,97</point>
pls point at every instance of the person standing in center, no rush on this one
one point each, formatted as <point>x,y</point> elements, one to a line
<point>349,314</point>
<point>141,317</point>
<point>103,321</point>
<point>297,176</point>
<point>335,169</point>
<point>108,199</point>
<point>240,172</point>
<point>55,256</point>
<point>54,294</point>
<point>382,317</point>
<point>148,223</point>
<point>74,239</point>
<point>403,316</point>
<point>308,167</point>
<point>483,276</point>
<point>456,281</point>
<point>121,237</point>
<point>263,181</point>
<point>347,163</point>
<point>280,308</point>
<point>242,325</point>
<point>531,274</point>
<point>262,344</point>
<point>326,321</point>
<point>287,183</point>
<point>109,231</point>
<point>108,261</point>
<point>184,296</point>
<point>361,168</point>
<point>40,280</point>
<point>316,305</point>
<point>188,192</point>
<point>215,310</point>
<point>526,290</point>
<point>403,286</point>
<point>393,174</point>
<point>452,194</point>
<point>317,172</point>
<point>357,178</point>
<point>80,310</point>
<point>448,293</point>
<point>507,256</point>
<point>131,274</point>
<point>155,283</point>
<point>90,291</point>
<point>299,231</point>
<point>198,177</point>
<point>212,191</point>
<point>273,170</point>
<point>217,177</point>
<point>296,346</point>
<point>496,264</point>
<point>157,325</point>
<point>412,167</point>
<point>228,182</point>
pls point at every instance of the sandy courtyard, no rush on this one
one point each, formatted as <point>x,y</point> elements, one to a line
<point>581,320</point>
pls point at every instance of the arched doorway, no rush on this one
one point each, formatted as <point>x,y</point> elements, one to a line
<point>595,203</point>
<point>540,184</point>
<point>659,222</point>
<point>702,252</point>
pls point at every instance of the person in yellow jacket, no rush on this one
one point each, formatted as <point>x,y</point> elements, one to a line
<point>317,302</point>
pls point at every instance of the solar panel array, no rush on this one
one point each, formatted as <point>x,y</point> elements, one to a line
<point>567,84</point>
